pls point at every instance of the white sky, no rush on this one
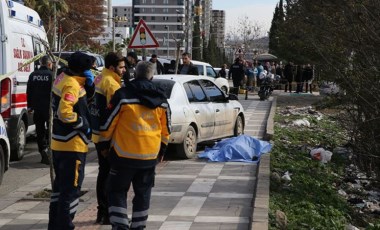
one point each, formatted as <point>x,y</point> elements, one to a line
<point>258,11</point>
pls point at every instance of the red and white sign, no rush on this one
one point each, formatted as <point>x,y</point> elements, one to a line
<point>142,37</point>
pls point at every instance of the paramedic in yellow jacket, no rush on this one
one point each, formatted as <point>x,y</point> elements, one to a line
<point>71,134</point>
<point>136,130</point>
<point>105,86</point>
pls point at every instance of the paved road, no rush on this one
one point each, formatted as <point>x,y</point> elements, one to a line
<point>189,194</point>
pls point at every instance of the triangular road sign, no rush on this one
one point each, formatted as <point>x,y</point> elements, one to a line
<point>142,37</point>
<point>239,51</point>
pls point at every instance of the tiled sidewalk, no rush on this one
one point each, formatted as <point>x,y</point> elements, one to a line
<point>189,194</point>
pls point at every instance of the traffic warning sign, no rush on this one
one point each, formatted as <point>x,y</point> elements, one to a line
<point>142,37</point>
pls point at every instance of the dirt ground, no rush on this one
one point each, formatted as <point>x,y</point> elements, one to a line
<point>295,99</point>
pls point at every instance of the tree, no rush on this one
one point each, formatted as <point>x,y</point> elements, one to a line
<point>341,38</point>
<point>47,10</point>
<point>277,21</point>
<point>244,34</point>
<point>83,18</point>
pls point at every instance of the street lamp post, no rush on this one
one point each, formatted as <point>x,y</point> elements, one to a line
<point>114,21</point>
<point>167,42</point>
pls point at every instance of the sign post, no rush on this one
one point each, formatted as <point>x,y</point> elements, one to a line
<point>143,38</point>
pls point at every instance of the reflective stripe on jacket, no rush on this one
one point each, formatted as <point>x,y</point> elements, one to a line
<point>105,86</point>
<point>71,128</point>
<point>137,121</point>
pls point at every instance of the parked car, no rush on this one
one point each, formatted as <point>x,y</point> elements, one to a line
<point>205,69</point>
<point>200,112</point>
<point>218,69</point>
<point>99,58</point>
<point>4,149</point>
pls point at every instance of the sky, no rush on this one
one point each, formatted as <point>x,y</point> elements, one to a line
<point>258,11</point>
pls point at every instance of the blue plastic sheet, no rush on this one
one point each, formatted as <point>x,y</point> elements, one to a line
<point>242,148</point>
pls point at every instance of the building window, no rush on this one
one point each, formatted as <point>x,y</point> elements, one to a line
<point>153,18</point>
<point>153,10</point>
<point>153,1</point>
<point>165,18</point>
<point>165,10</point>
<point>166,2</point>
<point>143,1</point>
<point>144,17</point>
<point>142,10</point>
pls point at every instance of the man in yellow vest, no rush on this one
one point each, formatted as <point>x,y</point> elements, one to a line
<point>105,86</point>
<point>136,132</point>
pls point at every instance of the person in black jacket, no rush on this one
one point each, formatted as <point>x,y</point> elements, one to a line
<point>187,67</point>
<point>137,113</point>
<point>307,76</point>
<point>237,72</point>
<point>289,75</point>
<point>38,98</point>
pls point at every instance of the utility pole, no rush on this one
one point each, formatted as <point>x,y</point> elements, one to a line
<point>113,34</point>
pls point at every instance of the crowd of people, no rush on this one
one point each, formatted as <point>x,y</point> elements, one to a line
<point>89,105</point>
<point>249,74</point>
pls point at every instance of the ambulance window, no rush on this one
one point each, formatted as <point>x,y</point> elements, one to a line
<point>37,48</point>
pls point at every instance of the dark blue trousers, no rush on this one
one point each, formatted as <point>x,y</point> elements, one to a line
<point>69,175</point>
<point>119,182</point>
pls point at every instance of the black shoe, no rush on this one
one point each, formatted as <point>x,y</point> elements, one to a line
<point>45,161</point>
<point>105,221</point>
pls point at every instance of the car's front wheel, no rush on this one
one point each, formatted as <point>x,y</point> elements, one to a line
<point>188,149</point>
<point>17,152</point>
<point>224,89</point>
<point>239,126</point>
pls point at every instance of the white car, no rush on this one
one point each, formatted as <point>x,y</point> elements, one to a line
<point>200,112</point>
<point>205,69</point>
<point>4,149</point>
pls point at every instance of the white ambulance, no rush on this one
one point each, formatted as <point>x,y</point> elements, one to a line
<point>20,28</point>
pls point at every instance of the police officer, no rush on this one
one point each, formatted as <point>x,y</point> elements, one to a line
<point>105,86</point>
<point>71,134</point>
<point>137,128</point>
<point>38,96</point>
<point>237,72</point>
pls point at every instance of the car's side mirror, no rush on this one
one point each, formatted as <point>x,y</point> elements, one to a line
<point>232,97</point>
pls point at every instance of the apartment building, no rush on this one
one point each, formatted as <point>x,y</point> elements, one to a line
<point>217,28</point>
<point>170,21</point>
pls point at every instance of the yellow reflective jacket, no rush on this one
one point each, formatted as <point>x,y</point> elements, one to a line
<point>105,86</point>
<point>71,128</point>
<point>137,122</point>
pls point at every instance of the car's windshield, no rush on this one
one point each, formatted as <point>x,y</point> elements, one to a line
<point>165,85</point>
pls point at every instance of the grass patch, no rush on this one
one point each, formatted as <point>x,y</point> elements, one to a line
<point>310,200</point>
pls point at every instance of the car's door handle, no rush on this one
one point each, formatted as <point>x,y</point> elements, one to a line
<point>217,110</point>
<point>196,111</point>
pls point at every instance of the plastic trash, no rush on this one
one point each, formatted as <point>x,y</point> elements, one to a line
<point>241,148</point>
<point>286,176</point>
<point>301,122</point>
<point>321,154</point>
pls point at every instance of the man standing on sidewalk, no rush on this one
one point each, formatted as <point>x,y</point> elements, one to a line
<point>106,85</point>
<point>70,137</point>
<point>136,130</point>
<point>38,95</point>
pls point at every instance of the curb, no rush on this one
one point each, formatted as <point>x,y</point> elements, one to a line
<point>261,203</point>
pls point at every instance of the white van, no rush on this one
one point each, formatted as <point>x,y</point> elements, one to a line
<point>20,32</point>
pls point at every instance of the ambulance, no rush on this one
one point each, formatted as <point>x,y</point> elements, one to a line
<point>21,32</point>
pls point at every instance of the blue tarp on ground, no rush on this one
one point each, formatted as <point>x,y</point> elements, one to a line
<point>241,148</point>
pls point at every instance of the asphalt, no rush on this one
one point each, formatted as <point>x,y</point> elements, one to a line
<point>188,194</point>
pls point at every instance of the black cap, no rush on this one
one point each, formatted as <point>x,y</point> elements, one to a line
<point>79,62</point>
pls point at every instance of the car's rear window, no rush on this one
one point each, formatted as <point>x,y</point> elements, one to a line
<point>165,85</point>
